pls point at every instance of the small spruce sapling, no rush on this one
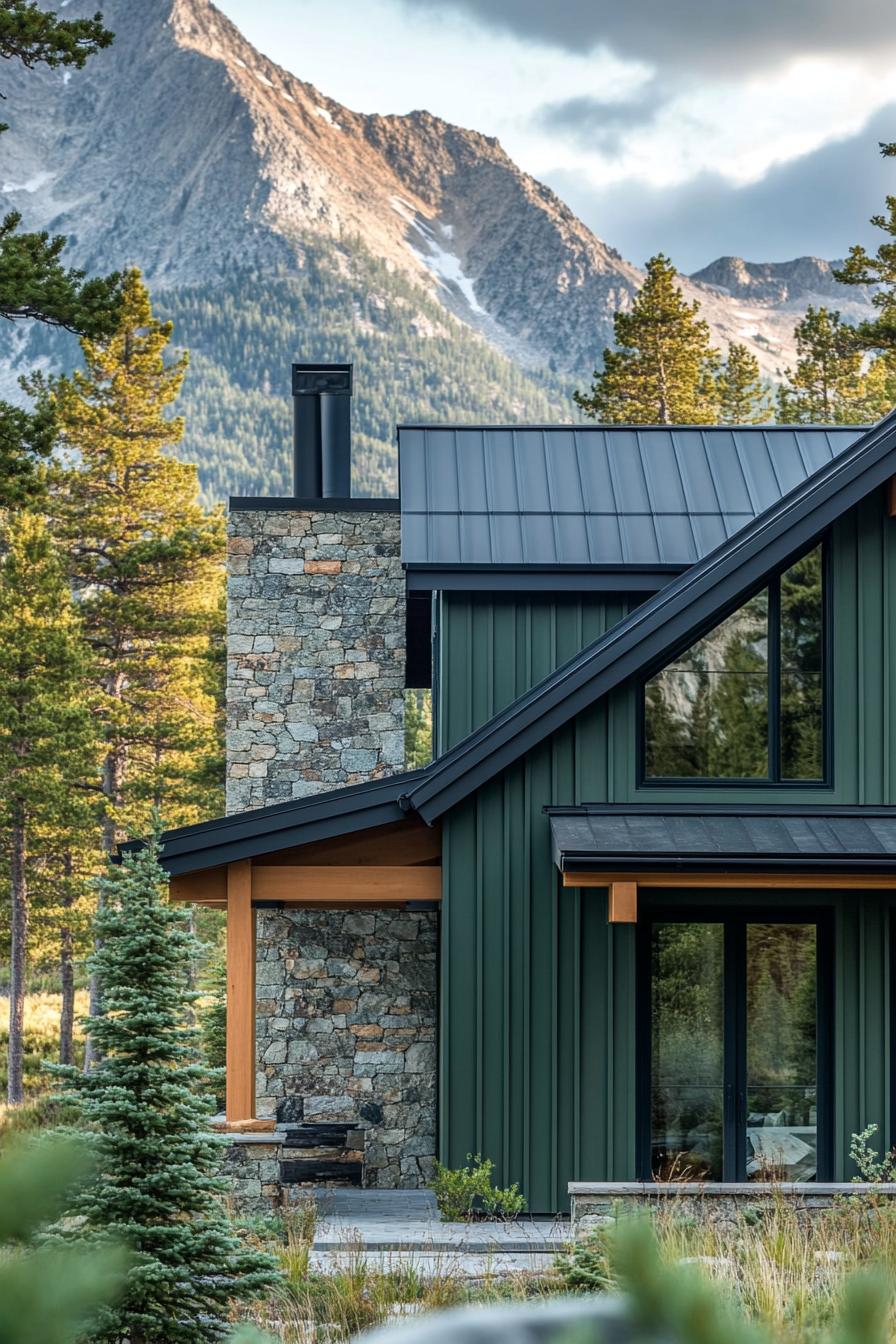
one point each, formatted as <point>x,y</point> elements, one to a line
<point>145,1108</point>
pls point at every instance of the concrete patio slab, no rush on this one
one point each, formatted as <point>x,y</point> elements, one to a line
<point>389,1221</point>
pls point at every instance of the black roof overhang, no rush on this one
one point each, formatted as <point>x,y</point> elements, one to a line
<point>247,835</point>
<point>685,607</point>
<point>639,579</point>
<point>684,837</point>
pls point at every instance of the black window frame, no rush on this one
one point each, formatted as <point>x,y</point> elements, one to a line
<point>773,778</point>
<point>734,920</point>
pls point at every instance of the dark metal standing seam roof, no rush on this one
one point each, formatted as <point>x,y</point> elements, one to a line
<point>595,496</point>
<point>644,839</point>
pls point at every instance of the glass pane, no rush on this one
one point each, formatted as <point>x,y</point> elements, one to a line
<point>737,644</point>
<point>709,725</point>
<point>802,725</point>
<point>687,1051</point>
<point>706,714</point>
<point>782,1084</point>
<point>801,615</point>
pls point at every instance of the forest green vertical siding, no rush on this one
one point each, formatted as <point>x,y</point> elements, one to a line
<point>538,991</point>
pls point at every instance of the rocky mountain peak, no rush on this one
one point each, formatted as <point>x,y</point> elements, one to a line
<point>804,280</point>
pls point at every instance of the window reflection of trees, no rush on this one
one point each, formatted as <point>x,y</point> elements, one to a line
<point>707,713</point>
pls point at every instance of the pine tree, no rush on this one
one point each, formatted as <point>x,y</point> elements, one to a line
<point>879,387</point>
<point>34,283</point>
<point>145,1108</point>
<point>742,398</point>
<point>879,270</point>
<point>664,369</point>
<point>417,728</point>
<point>827,385</point>
<point>146,561</point>
<point>47,739</point>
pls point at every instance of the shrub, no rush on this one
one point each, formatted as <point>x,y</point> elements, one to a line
<point>877,1170</point>
<point>586,1269</point>
<point>463,1193</point>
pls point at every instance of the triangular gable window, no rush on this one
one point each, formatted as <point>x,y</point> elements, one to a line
<point>746,701</point>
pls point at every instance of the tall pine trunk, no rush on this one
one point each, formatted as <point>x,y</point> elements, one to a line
<point>66,974</point>
<point>112,785</point>
<point>18,881</point>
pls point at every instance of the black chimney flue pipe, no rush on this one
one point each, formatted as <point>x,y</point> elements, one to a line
<point>321,441</point>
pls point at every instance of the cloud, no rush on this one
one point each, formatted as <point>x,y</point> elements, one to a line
<point>818,205</point>
<point>597,123</point>
<point>715,37</point>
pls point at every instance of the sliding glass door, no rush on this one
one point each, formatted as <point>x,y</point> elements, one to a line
<point>733,1043</point>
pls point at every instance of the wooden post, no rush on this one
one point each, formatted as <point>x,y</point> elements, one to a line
<point>240,1103</point>
<point>622,903</point>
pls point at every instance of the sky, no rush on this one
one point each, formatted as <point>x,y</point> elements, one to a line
<point>701,128</point>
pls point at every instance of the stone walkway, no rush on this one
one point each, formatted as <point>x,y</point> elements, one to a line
<point>394,1229</point>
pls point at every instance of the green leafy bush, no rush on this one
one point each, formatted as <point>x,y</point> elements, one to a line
<point>463,1193</point>
<point>872,1168</point>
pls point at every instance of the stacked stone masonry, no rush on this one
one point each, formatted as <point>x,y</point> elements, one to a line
<point>346,1004</point>
<point>315,653</point>
<point>347,1029</point>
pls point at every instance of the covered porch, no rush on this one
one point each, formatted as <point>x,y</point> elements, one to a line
<point>362,855</point>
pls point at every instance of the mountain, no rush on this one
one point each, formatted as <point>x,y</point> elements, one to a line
<point>273,223</point>
<point>781,283</point>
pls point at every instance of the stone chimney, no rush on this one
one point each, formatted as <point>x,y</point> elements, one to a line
<point>315,620</point>
<point>315,699</point>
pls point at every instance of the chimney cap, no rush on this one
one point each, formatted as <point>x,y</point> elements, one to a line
<point>309,380</point>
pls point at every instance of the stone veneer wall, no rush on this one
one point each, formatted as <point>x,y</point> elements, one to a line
<point>598,1203</point>
<point>347,1029</point>
<point>315,653</point>
<point>315,699</point>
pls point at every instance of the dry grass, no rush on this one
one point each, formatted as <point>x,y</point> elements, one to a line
<point>311,1306</point>
<point>783,1269</point>
<point>784,1272</point>
<point>42,1038</point>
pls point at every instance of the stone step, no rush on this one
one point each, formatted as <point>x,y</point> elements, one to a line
<point>456,1263</point>
<point>302,1170</point>
<point>317,1136</point>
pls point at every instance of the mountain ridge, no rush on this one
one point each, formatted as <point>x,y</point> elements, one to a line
<point>185,150</point>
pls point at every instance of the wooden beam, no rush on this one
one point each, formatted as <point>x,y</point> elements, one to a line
<point>781,881</point>
<point>206,888</point>
<point>891,497</point>
<point>240,1072</point>
<point>298,884</point>
<point>622,903</point>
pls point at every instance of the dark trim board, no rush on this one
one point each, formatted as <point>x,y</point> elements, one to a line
<point>532,579</point>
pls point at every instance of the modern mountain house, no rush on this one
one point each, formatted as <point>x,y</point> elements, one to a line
<point>634,921</point>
